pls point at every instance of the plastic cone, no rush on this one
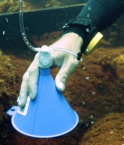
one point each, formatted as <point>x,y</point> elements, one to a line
<point>49,115</point>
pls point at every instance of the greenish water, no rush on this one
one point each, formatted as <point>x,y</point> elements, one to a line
<point>96,88</point>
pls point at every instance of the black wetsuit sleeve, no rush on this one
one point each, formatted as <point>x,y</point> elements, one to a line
<point>96,16</point>
<point>103,12</point>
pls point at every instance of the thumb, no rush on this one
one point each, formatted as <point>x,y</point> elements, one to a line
<point>69,65</point>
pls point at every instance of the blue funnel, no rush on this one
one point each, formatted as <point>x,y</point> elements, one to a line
<point>49,115</point>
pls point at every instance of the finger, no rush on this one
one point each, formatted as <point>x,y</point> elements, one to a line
<point>23,90</point>
<point>32,82</point>
<point>33,77</point>
<point>58,58</point>
<point>69,65</point>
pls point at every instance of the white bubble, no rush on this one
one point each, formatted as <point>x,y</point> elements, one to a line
<point>87,50</point>
<point>84,68</point>
<point>83,103</point>
<point>93,93</point>
<point>89,8</point>
<point>87,78</point>
<point>87,29</point>
<point>88,15</point>
<point>92,122</point>
<point>3,32</point>
<point>91,116</point>
<point>7,20</point>
<point>87,125</point>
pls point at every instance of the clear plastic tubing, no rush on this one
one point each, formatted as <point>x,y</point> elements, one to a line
<point>37,49</point>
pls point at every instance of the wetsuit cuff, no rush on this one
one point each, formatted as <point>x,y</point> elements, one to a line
<point>86,29</point>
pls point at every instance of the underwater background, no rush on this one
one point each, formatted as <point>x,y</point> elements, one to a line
<point>95,90</point>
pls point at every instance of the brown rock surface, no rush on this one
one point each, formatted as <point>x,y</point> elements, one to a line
<point>107,131</point>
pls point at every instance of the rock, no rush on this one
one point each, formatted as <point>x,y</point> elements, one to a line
<point>107,131</point>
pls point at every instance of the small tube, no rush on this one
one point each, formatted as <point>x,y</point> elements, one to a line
<point>67,51</point>
<point>23,30</point>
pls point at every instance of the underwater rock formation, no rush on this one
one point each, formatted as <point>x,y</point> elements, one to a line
<point>8,6</point>
<point>7,79</point>
<point>49,3</point>
<point>10,80</point>
<point>107,131</point>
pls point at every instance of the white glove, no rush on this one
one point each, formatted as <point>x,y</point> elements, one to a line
<point>67,62</point>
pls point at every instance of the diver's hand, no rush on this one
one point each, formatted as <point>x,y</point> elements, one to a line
<point>66,62</point>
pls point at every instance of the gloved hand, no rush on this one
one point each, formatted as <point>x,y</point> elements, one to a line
<point>66,62</point>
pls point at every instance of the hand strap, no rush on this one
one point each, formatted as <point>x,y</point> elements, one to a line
<point>84,27</point>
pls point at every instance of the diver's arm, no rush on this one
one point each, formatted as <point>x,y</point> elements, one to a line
<point>100,14</point>
<point>96,16</point>
<point>103,12</point>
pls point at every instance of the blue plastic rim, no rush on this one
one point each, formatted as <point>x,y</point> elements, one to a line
<point>49,115</point>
